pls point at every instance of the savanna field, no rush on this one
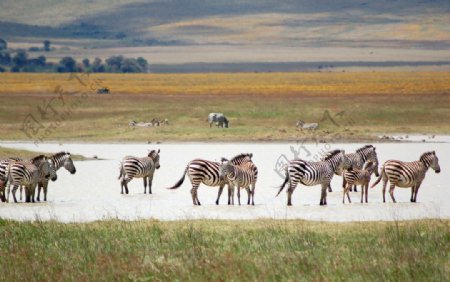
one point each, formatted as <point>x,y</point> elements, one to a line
<point>260,106</point>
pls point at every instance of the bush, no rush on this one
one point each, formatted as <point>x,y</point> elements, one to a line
<point>67,64</point>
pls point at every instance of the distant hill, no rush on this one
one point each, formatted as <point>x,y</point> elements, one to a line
<point>351,23</point>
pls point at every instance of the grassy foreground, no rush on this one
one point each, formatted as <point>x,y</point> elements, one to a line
<point>260,106</point>
<point>226,250</point>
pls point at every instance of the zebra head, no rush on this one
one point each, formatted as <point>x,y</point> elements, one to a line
<point>225,168</point>
<point>154,155</point>
<point>429,159</point>
<point>369,154</point>
<point>69,166</point>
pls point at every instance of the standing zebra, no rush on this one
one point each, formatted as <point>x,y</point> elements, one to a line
<point>358,176</point>
<point>3,166</point>
<point>407,174</point>
<point>314,173</point>
<point>27,173</point>
<point>133,167</point>
<point>360,157</point>
<point>240,176</point>
<point>207,172</point>
<point>58,160</point>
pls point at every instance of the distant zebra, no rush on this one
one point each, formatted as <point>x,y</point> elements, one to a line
<point>240,176</point>
<point>133,167</point>
<point>360,157</point>
<point>407,174</point>
<point>27,173</point>
<point>219,119</point>
<point>207,172</point>
<point>308,126</point>
<point>358,176</point>
<point>314,173</point>
<point>58,160</point>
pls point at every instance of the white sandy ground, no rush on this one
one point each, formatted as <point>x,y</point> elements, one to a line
<point>93,193</point>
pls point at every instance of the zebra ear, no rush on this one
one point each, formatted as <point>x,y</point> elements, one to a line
<point>434,152</point>
<point>251,155</point>
<point>159,151</point>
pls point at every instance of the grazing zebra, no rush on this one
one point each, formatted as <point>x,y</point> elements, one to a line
<point>207,172</point>
<point>308,126</point>
<point>27,173</point>
<point>133,167</point>
<point>314,173</point>
<point>220,119</point>
<point>240,176</point>
<point>407,174</point>
<point>358,176</point>
<point>58,160</point>
<point>360,157</point>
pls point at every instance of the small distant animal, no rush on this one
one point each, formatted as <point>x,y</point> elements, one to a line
<point>308,126</point>
<point>219,119</point>
<point>104,90</point>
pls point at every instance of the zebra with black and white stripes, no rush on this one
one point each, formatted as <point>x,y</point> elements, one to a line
<point>360,157</point>
<point>28,174</point>
<point>314,173</point>
<point>240,176</point>
<point>407,174</point>
<point>207,172</point>
<point>133,167</point>
<point>358,176</point>
<point>58,160</point>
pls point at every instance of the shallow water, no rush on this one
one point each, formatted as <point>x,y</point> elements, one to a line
<point>93,193</point>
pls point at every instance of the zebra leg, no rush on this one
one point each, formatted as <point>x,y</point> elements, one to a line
<point>253,194</point>
<point>150,182</point>
<point>248,195</point>
<point>329,188</point>
<point>354,188</point>
<point>323,196</point>
<point>20,190</point>
<point>45,187</point>
<point>416,191</point>
<point>391,192</point>
<point>290,190</point>
<point>366,188</point>
<point>239,194</point>
<point>220,193</point>
<point>194,194</point>
<point>384,189</point>
<point>145,184</point>
<point>14,192</point>
<point>230,194</point>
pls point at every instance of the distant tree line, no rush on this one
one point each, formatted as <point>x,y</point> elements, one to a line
<point>19,61</point>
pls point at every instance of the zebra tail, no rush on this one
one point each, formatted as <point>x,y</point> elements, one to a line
<point>378,179</point>
<point>178,184</point>
<point>286,179</point>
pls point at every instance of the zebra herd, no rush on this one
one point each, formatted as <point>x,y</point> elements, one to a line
<point>237,173</point>
<point>241,173</point>
<point>33,174</point>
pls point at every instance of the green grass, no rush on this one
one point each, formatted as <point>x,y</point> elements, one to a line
<point>226,250</point>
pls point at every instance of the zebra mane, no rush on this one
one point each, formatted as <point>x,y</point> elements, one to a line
<point>331,154</point>
<point>424,157</point>
<point>153,153</point>
<point>242,155</point>
<point>365,147</point>
<point>60,154</point>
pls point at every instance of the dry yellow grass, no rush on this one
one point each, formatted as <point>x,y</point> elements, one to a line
<point>305,84</point>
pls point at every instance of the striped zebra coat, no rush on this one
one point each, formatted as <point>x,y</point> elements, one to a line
<point>407,174</point>
<point>28,174</point>
<point>360,157</point>
<point>314,173</point>
<point>240,176</point>
<point>133,167</point>
<point>58,160</point>
<point>207,172</point>
<point>3,166</point>
<point>358,177</point>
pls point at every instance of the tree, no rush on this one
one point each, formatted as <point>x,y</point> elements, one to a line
<point>67,64</point>
<point>114,63</point>
<point>20,59</point>
<point>5,58</point>
<point>47,45</point>
<point>86,63</point>
<point>3,44</point>
<point>97,65</point>
<point>143,63</point>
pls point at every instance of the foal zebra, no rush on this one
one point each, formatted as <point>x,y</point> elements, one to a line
<point>358,176</point>
<point>360,157</point>
<point>133,167</point>
<point>240,176</point>
<point>407,174</point>
<point>58,160</point>
<point>314,173</point>
<point>207,172</point>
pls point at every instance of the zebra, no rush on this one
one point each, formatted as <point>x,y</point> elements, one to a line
<point>358,176</point>
<point>207,172</point>
<point>407,174</point>
<point>27,173</point>
<point>361,156</point>
<point>308,126</point>
<point>314,173</point>
<point>58,160</point>
<point>220,119</point>
<point>133,167</point>
<point>240,176</point>
<point>3,166</point>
